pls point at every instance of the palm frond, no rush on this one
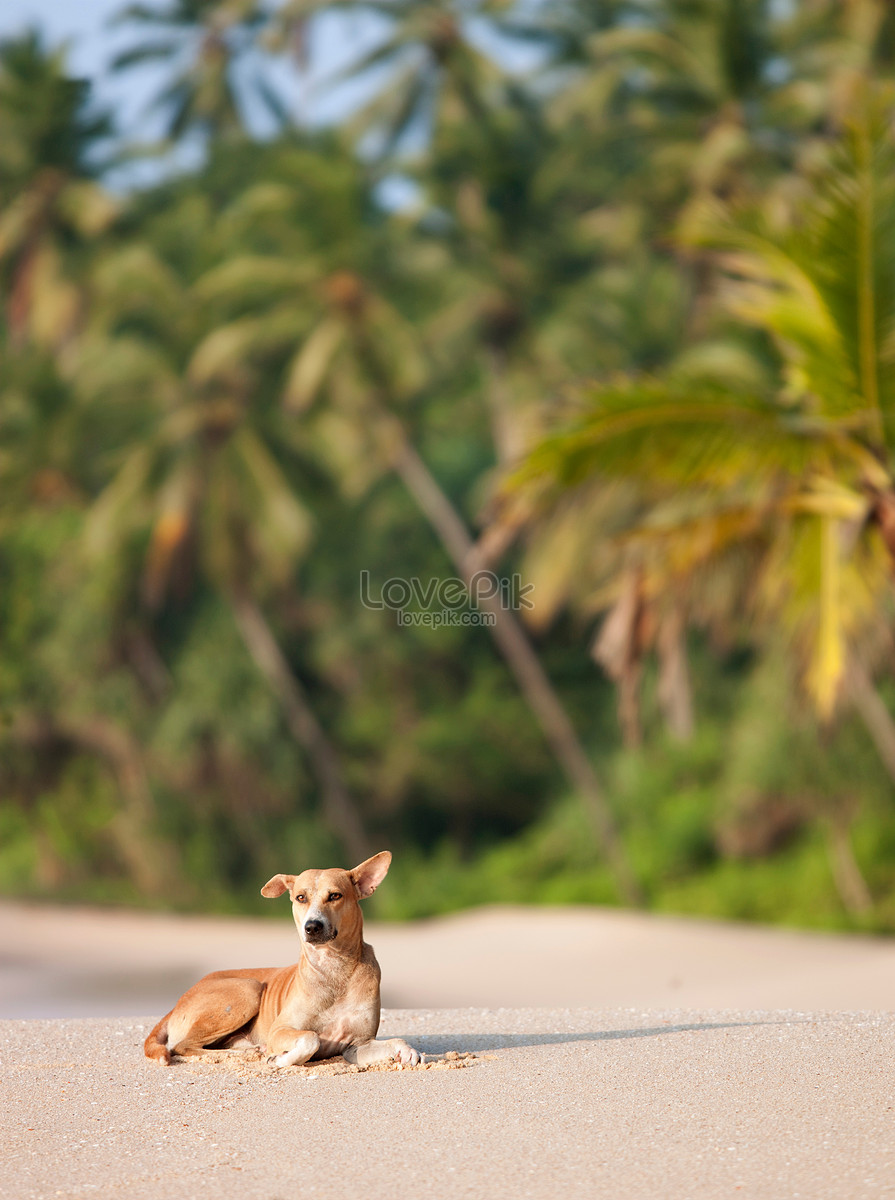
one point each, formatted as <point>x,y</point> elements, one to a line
<point>250,278</point>
<point>673,433</point>
<point>282,523</point>
<point>824,287</point>
<point>388,54</point>
<point>144,13</point>
<point>228,350</point>
<point>117,506</point>
<point>146,52</point>
<point>136,280</point>
<point>312,362</point>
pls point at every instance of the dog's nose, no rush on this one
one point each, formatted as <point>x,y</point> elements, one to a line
<point>313,928</point>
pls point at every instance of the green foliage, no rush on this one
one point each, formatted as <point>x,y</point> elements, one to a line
<point>677,799</point>
<point>46,122</point>
<point>637,328</point>
<point>204,95</point>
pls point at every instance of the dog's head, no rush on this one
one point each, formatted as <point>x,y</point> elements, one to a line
<point>325,903</point>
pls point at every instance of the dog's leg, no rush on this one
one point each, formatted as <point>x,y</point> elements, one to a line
<point>206,1013</point>
<point>391,1050</point>
<point>289,1047</point>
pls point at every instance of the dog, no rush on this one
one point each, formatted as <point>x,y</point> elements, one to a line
<point>325,1005</point>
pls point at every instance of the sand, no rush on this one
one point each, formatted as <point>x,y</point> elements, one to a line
<point>670,1059</point>
<point>57,962</point>
<point>556,1103</point>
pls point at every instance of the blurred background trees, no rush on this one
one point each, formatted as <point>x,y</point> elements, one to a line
<point>620,324</point>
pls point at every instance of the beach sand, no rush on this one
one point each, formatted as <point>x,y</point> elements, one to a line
<point>67,962</point>
<point>557,1103</point>
<point>668,1059</point>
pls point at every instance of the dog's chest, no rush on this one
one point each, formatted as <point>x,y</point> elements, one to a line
<point>337,1029</point>
<point>339,1021</point>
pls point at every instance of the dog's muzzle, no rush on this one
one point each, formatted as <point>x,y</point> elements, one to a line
<point>318,931</point>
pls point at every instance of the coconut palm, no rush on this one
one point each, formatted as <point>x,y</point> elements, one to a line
<point>50,203</point>
<point>717,495</point>
<point>205,42</point>
<point>200,474</point>
<point>792,480</point>
<point>426,70</point>
<point>365,359</point>
<point>689,97</point>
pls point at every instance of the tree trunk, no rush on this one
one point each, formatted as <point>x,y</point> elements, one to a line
<point>339,808</point>
<point>507,433</point>
<point>675,694</point>
<point>519,655</point>
<point>147,860</point>
<point>618,649</point>
<point>873,712</point>
<point>850,883</point>
<point>629,706</point>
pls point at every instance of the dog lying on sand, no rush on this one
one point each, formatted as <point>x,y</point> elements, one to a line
<point>326,1004</point>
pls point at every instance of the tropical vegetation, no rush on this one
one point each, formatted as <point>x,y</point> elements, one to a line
<point>502,472</point>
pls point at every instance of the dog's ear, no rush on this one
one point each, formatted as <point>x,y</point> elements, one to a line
<point>368,876</point>
<point>276,886</point>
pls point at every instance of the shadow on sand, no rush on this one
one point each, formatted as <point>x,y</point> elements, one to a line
<point>441,1044</point>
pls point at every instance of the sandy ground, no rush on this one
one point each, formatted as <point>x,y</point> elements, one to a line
<point>669,1059</point>
<point>557,1103</point>
<point>58,962</point>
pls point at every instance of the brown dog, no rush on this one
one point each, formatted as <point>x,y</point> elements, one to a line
<point>327,1004</point>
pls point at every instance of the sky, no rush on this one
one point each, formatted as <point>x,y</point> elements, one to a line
<point>81,23</point>
<point>80,19</point>
<point>84,25</point>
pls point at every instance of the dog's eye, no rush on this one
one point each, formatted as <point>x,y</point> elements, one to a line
<point>301,898</point>
<point>334,896</point>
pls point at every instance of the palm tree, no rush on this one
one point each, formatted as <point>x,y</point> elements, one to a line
<point>787,480</point>
<point>363,355</point>
<point>722,492</point>
<point>205,42</point>
<point>426,69</point>
<point>50,204</point>
<point>52,211</point>
<point>666,103</point>
<point>201,473</point>
<point>547,285</point>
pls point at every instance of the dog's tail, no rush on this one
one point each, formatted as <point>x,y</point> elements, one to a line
<point>156,1045</point>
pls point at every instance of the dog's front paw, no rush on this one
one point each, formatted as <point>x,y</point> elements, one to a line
<point>403,1053</point>
<point>290,1058</point>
